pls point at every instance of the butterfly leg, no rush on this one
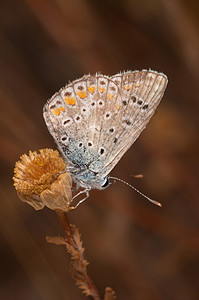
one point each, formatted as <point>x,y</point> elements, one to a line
<point>86,191</point>
<point>75,189</point>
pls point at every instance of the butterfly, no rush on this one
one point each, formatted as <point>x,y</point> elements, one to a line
<point>94,120</point>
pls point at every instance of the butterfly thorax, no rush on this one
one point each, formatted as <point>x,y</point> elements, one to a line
<point>88,179</point>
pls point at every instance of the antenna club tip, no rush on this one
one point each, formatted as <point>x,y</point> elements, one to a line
<point>155,202</point>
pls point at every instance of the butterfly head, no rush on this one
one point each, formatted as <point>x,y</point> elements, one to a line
<point>90,180</point>
<point>105,183</point>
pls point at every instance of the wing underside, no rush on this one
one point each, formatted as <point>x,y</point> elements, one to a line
<point>94,120</point>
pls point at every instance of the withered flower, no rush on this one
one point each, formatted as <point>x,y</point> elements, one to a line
<point>38,181</point>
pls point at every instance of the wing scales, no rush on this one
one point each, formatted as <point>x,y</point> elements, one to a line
<point>94,120</point>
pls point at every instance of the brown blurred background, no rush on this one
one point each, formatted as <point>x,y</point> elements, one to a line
<point>140,250</point>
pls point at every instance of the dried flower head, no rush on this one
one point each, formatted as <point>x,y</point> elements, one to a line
<point>37,183</point>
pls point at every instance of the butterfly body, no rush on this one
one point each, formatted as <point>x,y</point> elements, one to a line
<point>94,120</point>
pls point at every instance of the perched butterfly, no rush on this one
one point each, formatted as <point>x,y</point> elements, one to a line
<point>94,120</point>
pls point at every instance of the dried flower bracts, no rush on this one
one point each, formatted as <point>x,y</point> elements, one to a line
<point>38,181</point>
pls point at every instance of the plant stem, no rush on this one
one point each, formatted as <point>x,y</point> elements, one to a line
<point>72,241</point>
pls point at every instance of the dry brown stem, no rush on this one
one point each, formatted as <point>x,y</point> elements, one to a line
<point>79,272</point>
<point>78,262</point>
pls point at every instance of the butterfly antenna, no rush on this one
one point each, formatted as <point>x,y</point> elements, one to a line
<point>151,200</point>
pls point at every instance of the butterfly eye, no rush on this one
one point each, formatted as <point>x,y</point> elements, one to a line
<point>106,183</point>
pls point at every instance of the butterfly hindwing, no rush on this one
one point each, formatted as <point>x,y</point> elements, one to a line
<point>141,92</point>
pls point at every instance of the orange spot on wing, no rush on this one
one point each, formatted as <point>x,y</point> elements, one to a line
<point>56,111</point>
<point>101,89</point>
<point>70,100</point>
<point>91,89</point>
<point>117,106</point>
<point>111,96</point>
<point>82,94</point>
<point>62,108</point>
<point>127,87</point>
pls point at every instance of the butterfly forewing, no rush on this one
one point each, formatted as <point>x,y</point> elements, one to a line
<point>76,117</point>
